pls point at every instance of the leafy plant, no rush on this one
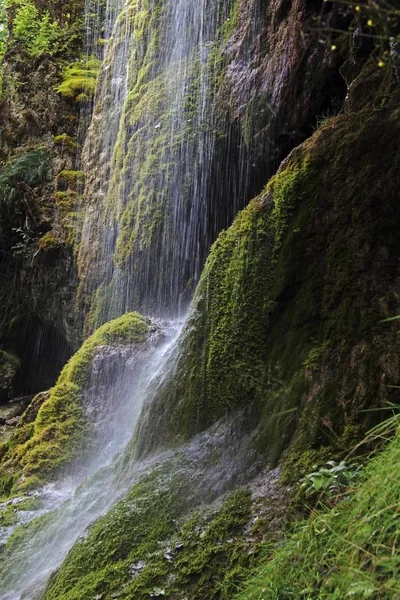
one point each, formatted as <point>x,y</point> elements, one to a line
<point>36,32</point>
<point>29,168</point>
<point>332,479</point>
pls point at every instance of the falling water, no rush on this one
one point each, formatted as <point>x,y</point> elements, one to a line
<point>151,158</point>
<point>70,505</point>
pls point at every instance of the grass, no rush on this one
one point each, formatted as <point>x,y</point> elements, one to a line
<point>347,551</point>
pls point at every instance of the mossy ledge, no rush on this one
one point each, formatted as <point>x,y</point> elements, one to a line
<point>152,544</point>
<point>60,432</point>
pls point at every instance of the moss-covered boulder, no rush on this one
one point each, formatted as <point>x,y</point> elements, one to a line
<point>59,427</point>
<point>287,315</point>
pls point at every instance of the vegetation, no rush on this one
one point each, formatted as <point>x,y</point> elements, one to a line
<point>151,544</point>
<point>51,30</point>
<point>79,80</point>
<point>349,551</point>
<point>28,169</point>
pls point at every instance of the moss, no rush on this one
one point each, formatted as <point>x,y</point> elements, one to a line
<point>60,431</point>
<point>71,179</point>
<point>69,213</point>
<point>152,131</point>
<point>11,513</point>
<point>66,141</point>
<point>49,242</point>
<point>79,79</point>
<point>277,319</point>
<point>222,364</point>
<point>152,543</point>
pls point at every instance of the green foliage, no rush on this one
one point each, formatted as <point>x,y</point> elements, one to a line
<point>332,479</point>
<point>37,32</point>
<point>60,431</point>
<point>30,169</point>
<point>79,79</point>
<point>349,551</point>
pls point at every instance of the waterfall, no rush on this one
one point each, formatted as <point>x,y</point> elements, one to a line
<point>68,506</point>
<point>151,158</point>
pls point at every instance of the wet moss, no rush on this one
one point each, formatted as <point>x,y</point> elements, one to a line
<point>60,431</point>
<point>49,242</point>
<point>79,80</point>
<point>66,141</point>
<point>278,320</point>
<point>151,543</point>
<point>71,179</point>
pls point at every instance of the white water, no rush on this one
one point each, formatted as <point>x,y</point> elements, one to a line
<point>96,485</point>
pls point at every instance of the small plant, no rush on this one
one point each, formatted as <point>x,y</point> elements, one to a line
<point>30,168</point>
<point>35,31</point>
<point>25,244</point>
<point>332,479</point>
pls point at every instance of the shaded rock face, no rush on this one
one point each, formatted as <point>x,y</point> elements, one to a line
<point>38,272</point>
<point>267,73</point>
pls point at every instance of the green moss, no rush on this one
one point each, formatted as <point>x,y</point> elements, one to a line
<point>222,364</point>
<point>79,80</point>
<point>71,179</point>
<point>69,213</point>
<point>49,242</point>
<point>315,356</point>
<point>151,541</point>
<point>60,431</point>
<point>150,139</point>
<point>10,513</point>
<point>66,141</point>
<point>278,321</point>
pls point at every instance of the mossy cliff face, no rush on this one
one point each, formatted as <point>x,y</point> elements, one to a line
<point>287,313</point>
<point>60,426</point>
<point>184,134</point>
<point>37,142</point>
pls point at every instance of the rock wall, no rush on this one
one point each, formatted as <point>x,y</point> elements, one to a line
<point>39,210</point>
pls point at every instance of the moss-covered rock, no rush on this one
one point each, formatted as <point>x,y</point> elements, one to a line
<point>61,430</point>
<point>278,319</point>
